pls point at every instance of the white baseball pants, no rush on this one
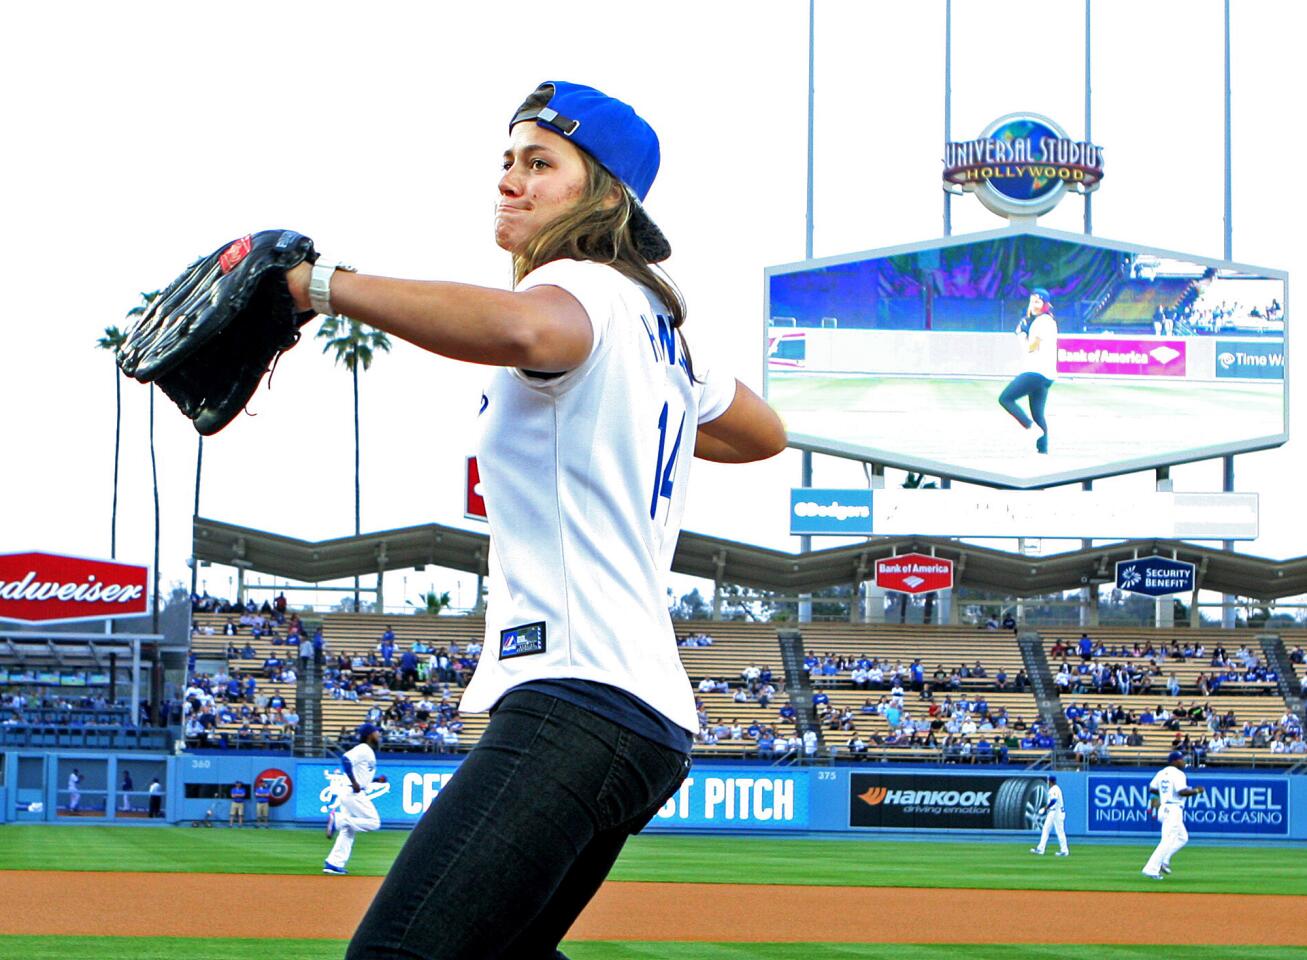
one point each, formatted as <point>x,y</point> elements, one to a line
<point>1054,820</point>
<point>356,814</point>
<point>1174,836</point>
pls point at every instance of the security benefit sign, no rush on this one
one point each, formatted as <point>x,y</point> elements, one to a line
<point>816,512</point>
<point>1247,805</point>
<point>1155,576</point>
<point>897,801</point>
<point>765,799</point>
<point>914,573</point>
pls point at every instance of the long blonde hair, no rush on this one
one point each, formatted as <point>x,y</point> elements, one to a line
<point>599,230</point>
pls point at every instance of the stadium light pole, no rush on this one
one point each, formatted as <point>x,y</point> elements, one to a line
<point>1227,472</point>
<point>1089,116</point>
<point>948,104</point>
<point>946,483</point>
<point>805,469</point>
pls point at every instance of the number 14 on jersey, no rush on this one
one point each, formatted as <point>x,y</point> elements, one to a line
<point>664,473</point>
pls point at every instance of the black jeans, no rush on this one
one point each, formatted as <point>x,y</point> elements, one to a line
<point>521,838</point>
<point>1032,385</point>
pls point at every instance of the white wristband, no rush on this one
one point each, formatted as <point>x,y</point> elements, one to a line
<point>320,284</point>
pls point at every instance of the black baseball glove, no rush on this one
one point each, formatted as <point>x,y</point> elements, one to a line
<point>208,339</point>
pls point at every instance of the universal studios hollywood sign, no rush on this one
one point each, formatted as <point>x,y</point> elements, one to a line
<point>1022,165</point>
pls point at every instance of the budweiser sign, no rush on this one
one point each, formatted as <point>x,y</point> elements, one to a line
<point>48,588</point>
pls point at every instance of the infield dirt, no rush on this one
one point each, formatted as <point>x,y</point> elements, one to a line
<point>249,905</point>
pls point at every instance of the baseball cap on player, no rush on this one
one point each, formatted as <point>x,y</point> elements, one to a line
<point>1042,294</point>
<point>365,730</point>
<point>615,135</point>
<point>1173,756</point>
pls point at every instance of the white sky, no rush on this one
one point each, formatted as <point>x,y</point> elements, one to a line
<point>139,135</point>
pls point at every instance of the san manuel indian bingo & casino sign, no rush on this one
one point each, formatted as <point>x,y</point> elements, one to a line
<point>1022,165</point>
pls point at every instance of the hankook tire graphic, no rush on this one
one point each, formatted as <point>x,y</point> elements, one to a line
<point>1017,803</point>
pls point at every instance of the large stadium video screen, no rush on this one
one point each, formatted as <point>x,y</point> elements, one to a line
<point>1027,357</point>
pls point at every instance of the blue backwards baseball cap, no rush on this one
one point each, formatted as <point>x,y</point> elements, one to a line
<point>1173,756</point>
<point>365,730</point>
<point>614,134</point>
<point>1042,294</point>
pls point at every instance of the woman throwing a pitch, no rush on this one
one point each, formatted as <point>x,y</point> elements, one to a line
<point>589,425</point>
<point>1037,334</point>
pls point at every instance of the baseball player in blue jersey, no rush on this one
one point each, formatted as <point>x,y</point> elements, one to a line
<point>236,809</point>
<point>262,797</point>
<point>1054,813</point>
<point>590,419</point>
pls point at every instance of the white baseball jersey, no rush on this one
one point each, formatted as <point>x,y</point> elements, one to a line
<point>1043,359</point>
<point>585,479</point>
<point>364,764</point>
<point>1168,782</point>
<point>1054,800</point>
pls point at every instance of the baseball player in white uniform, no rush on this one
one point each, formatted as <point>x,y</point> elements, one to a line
<point>1054,814</point>
<point>355,813</point>
<point>1169,789</point>
<point>74,797</point>
<point>589,423</point>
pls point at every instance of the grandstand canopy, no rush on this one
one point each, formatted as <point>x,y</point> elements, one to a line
<point>730,561</point>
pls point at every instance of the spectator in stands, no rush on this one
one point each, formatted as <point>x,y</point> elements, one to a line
<point>1010,623</point>
<point>1086,647</point>
<point>306,650</point>
<point>408,670</point>
<point>991,623</point>
<point>1173,685</point>
<point>247,652</point>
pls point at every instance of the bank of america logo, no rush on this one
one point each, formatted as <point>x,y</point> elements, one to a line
<point>1131,577</point>
<point>1164,355</point>
<point>914,580</point>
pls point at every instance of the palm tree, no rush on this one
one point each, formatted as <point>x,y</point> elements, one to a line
<point>137,310</point>
<point>354,344</point>
<point>113,339</point>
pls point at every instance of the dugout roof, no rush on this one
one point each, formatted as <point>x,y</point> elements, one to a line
<point>730,561</point>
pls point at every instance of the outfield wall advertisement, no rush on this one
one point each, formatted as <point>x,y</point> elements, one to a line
<point>1256,806</point>
<point>738,798</point>
<point>717,797</point>
<point>935,801</point>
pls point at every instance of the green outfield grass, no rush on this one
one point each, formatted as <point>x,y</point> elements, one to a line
<point>169,948</point>
<point>987,865</point>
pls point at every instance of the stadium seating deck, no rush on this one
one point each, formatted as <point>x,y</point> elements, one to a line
<point>737,645</point>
